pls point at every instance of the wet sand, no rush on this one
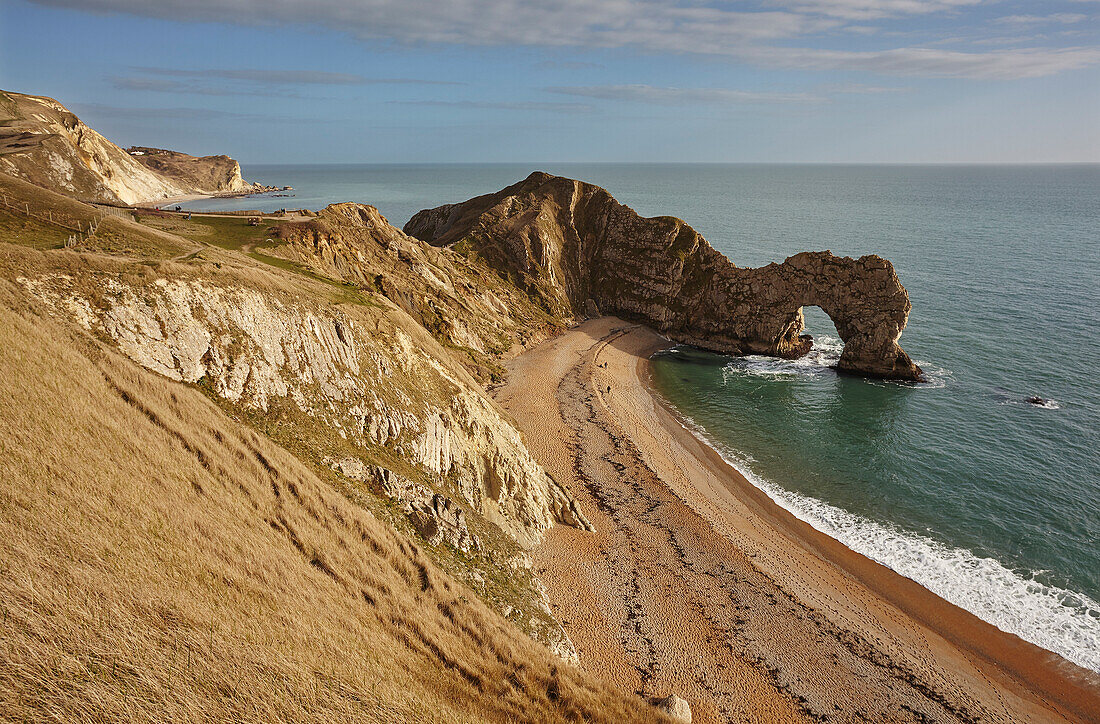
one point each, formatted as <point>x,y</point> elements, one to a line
<point>696,583</point>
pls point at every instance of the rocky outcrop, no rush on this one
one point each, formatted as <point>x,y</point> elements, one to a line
<point>43,142</point>
<point>369,376</point>
<point>461,301</point>
<point>576,249</point>
<point>674,708</point>
<point>437,518</point>
<point>210,175</point>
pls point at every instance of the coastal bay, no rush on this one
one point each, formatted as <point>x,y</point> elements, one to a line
<point>695,583</point>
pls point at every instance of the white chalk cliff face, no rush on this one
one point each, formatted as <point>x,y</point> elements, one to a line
<point>369,377</point>
<point>41,141</point>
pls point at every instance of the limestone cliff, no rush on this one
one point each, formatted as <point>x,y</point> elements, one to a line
<point>463,302</point>
<point>41,141</point>
<point>201,174</point>
<point>367,376</point>
<point>337,339</point>
<point>574,247</point>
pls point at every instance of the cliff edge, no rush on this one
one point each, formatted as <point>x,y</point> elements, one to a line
<point>43,142</point>
<point>580,252</point>
<point>202,174</point>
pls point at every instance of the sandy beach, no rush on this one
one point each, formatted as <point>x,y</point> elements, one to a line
<point>696,583</point>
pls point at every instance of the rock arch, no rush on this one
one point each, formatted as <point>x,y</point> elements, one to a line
<point>863,297</point>
<point>570,244</point>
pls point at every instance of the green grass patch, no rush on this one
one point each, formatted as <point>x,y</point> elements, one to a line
<point>345,291</point>
<point>228,232</point>
<point>16,228</point>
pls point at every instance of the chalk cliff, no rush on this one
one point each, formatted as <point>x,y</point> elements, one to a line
<point>463,302</point>
<point>579,251</point>
<point>369,376</point>
<point>41,141</point>
<point>200,174</point>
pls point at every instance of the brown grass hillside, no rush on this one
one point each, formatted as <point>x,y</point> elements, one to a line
<point>161,562</point>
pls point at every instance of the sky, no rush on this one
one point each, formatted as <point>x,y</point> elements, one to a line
<point>457,81</point>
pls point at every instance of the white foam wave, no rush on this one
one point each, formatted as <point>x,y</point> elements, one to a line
<point>821,360</point>
<point>1056,619</point>
<point>1044,405</point>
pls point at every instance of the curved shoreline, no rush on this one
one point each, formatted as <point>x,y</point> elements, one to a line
<point>1044,672</point>
<point>696,582</point>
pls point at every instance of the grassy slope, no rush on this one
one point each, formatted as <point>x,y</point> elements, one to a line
<point>115,236</point>
<point>161,562</point>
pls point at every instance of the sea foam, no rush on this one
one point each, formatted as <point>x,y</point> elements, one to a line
<point>1056,619</point>
<point>822,360</point>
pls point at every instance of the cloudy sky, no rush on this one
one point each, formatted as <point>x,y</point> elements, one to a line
<point>934,81</point>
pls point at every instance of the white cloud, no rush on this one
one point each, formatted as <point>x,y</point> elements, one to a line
<point>861,88</point>
<point>673,26</point>
<point>503,105</point>
<point>679,96</point>
<point>933,63</point>
<point>606,23</point>
<point>1063,18</point>
<point>872,9</point>
<point>284,77</point>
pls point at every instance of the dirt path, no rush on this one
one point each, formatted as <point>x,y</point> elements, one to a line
<point>694,584</point>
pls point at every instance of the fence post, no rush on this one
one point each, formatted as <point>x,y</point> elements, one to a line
<point>28,208</point>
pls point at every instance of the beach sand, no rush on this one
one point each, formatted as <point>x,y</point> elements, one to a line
<point>171,201</point>
<point>695,583</point>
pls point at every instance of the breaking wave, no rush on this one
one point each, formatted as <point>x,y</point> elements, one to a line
<point>1056,619</point>
<point>821,360</point>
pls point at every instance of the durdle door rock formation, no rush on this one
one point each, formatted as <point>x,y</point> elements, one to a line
<point>41,141</point>
<point>574,247</point>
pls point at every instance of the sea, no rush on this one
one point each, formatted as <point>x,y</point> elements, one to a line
<point>966,483</point>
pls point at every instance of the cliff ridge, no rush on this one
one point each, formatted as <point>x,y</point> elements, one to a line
<point>577,250</point>
<point>43,142</point>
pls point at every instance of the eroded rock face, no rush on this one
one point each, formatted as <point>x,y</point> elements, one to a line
<point>42,142</point>
<point>575,247</point>
<point>364,376</point>
<point>437,518</point>
<point>463,304</point>
<point>200,174</point>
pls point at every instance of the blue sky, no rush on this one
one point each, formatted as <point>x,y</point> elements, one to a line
<point>393,81</point>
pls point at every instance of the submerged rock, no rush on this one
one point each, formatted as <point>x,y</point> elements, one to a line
<point>576,248</point>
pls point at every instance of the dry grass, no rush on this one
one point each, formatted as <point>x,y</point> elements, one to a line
<point>19,228</point>
<point>159,562</point>
<point>115,236</point>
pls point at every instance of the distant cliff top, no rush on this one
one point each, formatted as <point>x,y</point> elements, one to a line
<point>43,142</point>
<point>217,174</point>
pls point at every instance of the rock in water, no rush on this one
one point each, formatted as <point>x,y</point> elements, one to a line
<point>568,242</point>
<point>674,708</point>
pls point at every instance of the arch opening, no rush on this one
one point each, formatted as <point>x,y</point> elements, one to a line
<point>826,344</point>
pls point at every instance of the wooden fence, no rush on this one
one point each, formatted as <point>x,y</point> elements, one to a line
<point>83,232</point>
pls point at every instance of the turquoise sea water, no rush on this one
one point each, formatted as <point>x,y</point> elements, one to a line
<point>961,484</point>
